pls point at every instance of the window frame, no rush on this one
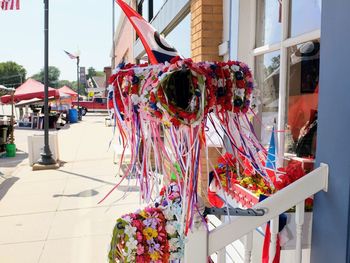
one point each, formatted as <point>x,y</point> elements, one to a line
<point>282,46</point>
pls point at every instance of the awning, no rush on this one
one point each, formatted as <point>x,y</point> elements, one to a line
<point>29,90</point>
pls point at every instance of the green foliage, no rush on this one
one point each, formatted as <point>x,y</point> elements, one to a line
<point>54,75</point>
<point>92,72</point>
<point>12,74</point>
<point>68,83</point>
<point>275,64</point>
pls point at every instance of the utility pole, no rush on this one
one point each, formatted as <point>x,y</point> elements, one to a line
<point>46,155</point>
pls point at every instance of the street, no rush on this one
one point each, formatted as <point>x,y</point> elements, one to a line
<point>53,215</point>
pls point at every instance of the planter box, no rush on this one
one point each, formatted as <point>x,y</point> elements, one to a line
<point>240,197</point>
<point>36,145</point>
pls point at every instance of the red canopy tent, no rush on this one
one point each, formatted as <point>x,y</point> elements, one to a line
<point>68,90</point>
<point>29,90</point>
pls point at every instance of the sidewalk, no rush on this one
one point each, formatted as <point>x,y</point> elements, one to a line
<point>53,216</point>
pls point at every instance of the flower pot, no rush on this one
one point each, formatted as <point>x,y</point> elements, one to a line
<point>11,150</point>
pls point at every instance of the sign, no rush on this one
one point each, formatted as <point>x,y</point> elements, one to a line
<point>82,75</point>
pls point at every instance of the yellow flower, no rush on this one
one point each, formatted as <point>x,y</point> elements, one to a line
<point>143,214</point>
<point>150,233</point>
<point>154,255</point>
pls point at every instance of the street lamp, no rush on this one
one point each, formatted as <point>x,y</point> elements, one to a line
<point>46,155</point>
<point>78,83</point>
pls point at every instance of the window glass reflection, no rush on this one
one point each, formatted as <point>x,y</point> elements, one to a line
<point>303,99</point>
<point>157,5</point>
<point>305,16</point>
<point>267,73</point>
<point>180,37</point>
<point>268,22</point>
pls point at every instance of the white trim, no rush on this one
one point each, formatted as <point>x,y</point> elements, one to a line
<point>252,35</point>
<point>316,34</point>
<point>266,49</point>
<point>283,84</point>
<point>224,48</point>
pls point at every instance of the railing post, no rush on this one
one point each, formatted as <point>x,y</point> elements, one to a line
<point>274,224</point>
<point>196,247</point>
<point>222,252</point>
<point>299,221</point>
<point>248,246</point>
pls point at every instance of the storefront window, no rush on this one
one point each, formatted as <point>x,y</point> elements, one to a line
<point>267,73</point>
<point>180,37</point>
<point>157,5</point>
<point>304,61</point>
<point>268,22</point>
<point>145,10</point>
<point>305,16</point>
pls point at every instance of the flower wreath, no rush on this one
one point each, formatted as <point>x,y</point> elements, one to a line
<point>183,92</point>
<point>151,234</point>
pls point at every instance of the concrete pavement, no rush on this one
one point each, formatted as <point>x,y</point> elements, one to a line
<point>52,215</point>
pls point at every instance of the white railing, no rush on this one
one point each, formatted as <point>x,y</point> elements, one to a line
<point>202,243</point>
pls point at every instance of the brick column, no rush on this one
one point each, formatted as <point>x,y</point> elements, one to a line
<point>206,29</point>
<point>206,36</point>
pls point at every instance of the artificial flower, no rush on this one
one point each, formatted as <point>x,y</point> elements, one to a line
<point>150,233</point>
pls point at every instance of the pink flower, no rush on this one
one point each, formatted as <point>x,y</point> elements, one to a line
<point>140,249</point>
<point>138,236</point>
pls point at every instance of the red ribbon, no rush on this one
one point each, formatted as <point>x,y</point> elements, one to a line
<point>266,247</point>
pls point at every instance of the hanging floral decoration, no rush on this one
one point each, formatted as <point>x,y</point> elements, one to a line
<point>152,234</point>
<point>182,97</point>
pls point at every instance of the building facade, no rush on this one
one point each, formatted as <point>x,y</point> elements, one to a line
<point>124,39</point>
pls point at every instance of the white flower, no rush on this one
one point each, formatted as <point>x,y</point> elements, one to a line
<point>239,92</point>
<point>130,231</point>
<point>174,243</point>
<point>143,99</point>
<point>131,245</point>
<point>127,219</point>
<point>135,99</point>
<point>170,229</point>
<point>235,68</point>
<point>169,215</point>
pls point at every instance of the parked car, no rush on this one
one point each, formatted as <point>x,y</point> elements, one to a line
<point>96,105</point>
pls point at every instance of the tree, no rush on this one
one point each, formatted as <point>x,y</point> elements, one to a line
<point>68,83</point>
<point>275,64</point>
<point>54,75</point>
<point>12,74</point>
<point>92,72</point>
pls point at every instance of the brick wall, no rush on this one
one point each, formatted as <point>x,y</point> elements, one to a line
<point>206,29</point>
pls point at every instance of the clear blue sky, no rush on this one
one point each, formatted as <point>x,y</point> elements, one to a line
<point>83,24</point>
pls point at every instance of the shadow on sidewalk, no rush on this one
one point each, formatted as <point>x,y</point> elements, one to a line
<point>6,185</point>
<point>13,161</point>
<point>86,193</point>
<point>87,177</point>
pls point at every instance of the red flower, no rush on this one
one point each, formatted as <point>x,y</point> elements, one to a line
<point>152,97</point>
<point>135,89</point>
<point>175,122</point>
<point>158,114</point>
<point>240,83</point>
<point>175,59</point>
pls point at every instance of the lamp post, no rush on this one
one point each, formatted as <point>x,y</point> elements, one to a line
<point>46,155</point>
<point>78,85</point>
